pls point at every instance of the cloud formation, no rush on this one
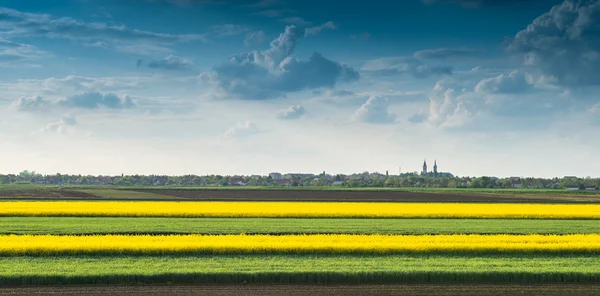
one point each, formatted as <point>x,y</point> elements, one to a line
<point>293,112</point>
<point>30,104</point>
<point>444,53</point>
<point>86,100</point>
<point>95,100</point>
<point>241,130</point>
<point>14,51</point>
<point>63,125</point>
<point>271,73</point>
<point>564,43</point>
<point>16,23</point>
<point>375,110</point>
<point>513,83</point>
<point>172,62</point>
<point>404,66</point>
<point>317,29</point>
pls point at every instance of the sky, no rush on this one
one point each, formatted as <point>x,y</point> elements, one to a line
<point>485,87</point>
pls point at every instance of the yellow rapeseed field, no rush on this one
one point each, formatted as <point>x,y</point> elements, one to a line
<point>299,209</point>
<point>165,244</point>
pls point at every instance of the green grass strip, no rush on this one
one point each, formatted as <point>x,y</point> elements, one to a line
<point>297,269</point>
<point>128,225</point>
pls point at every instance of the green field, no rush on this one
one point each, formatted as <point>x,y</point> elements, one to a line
<point>463,266</point>
<point>127,225</point>
<point>296,269</point>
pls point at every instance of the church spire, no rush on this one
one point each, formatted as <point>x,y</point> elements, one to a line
<point>424,167</point>
<point>435,172</point>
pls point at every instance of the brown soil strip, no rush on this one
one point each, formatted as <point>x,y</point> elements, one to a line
<point>324,195</point>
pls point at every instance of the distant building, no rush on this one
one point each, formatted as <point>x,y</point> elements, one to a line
<point>435,173</point>
<point>276,176</point>
<point>337,183</point>
<point>284,182</point>
<point>590,187</point>
<point>573,187</point>
<point>515,182</point>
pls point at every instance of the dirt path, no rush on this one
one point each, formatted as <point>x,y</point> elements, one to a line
<point>312,290</point>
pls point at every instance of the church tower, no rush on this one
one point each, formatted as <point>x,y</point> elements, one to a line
<point>424,167</point>
<point>435,172</point>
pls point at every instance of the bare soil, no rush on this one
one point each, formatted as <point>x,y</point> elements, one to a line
<point>313,290</point>
<point>46,194</point>
<point>373,196</point>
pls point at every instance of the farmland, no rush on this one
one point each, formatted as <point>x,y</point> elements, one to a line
<point>155,226</point>
<point>109,237</point>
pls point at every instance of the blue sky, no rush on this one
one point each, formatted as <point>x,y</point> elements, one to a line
<point>505,88</point>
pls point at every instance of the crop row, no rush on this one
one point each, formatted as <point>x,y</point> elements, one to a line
<point>300,210</point>
<point>162,225</point>
<point>298,269</point>
<point>18,245</point>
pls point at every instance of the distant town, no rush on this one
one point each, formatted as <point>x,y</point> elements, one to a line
<point>425,178</point>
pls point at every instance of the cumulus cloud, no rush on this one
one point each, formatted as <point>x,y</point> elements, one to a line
<point>444,53</point>
<point>95,100</point>
<point>293,112</point>
<point>448,108</point>
<point>63,125</point>
<point>172,62</point>
<point>16,23</point>
<point>241,130</point>
<point>512,83</point>
<point>404,66</point>
<point>564,43</point>
<point>271,73</point>
<point>86,100</point>
<point>317,29</point>
<point>30,104</point>
<point>375,110</point>
<point>255,37</point>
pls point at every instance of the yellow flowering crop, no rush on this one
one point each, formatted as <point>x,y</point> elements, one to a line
<point>336,243</point>
<point>300,209</point>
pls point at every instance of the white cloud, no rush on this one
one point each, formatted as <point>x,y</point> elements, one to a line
<point>564,43</point>
<point>13,52</point>
<point>16,23</point>
<point>375,110</point>
<point>172,62</point>
<point>87,100</point>
<point>63,125</point>
<point>445,53</point>
<point>272,73</point>
<point>293,112</point>
<point>317,29</point>
<point>28,104</point>
<point>404,66</point>
<point>512,83</point>
<point>241,130</point>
